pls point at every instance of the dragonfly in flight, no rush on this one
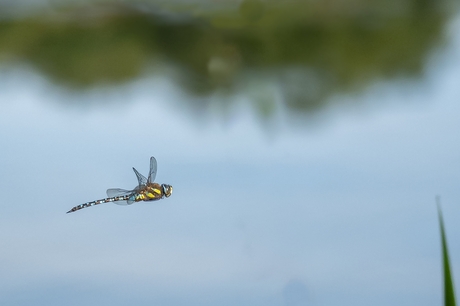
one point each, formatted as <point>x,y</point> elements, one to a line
<point>146,190</point>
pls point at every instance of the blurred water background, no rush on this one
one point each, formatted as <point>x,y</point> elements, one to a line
<point>305,140</point>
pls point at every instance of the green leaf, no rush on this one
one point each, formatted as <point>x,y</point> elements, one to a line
<point>449,295</point>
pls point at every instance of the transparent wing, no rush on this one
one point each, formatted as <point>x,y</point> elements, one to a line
<point>115,192</point>
<point>153,169</point>
<point>129,202</point>
<point>140,178</point>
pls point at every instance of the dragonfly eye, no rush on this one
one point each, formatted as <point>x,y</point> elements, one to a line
<point>167,190</point>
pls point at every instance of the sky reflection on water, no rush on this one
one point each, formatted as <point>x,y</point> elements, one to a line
<point>340,212</point>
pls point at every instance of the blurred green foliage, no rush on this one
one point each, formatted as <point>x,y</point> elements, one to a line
<point>309,49</point>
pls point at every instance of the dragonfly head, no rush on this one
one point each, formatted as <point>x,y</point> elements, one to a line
<point>167,190</point>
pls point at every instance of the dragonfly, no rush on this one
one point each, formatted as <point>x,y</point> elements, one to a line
<point>146,190</point>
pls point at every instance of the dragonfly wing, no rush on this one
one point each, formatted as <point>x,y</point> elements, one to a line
<point>153,170</point>
<point>115,192</point>
<point>140,178</point>
<point>128,202</point>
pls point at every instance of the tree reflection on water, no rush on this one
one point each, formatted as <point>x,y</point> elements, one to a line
<point>309,50</point>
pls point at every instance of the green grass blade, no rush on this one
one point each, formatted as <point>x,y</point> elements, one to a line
<point>449,295</point>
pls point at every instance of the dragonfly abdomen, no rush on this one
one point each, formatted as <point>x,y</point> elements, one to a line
<point>97,202</point>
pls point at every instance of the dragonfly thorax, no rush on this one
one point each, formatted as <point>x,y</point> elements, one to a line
<point>153,191</point>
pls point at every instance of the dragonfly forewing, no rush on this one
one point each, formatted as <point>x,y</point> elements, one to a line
<point>140,178</point>
<point>153,170</point>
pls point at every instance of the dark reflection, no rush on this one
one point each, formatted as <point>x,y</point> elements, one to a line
<point>309,49</point>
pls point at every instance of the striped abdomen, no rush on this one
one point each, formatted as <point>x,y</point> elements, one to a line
<point>107,200</point>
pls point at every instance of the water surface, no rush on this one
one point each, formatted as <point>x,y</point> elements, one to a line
<point>297,206</point>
